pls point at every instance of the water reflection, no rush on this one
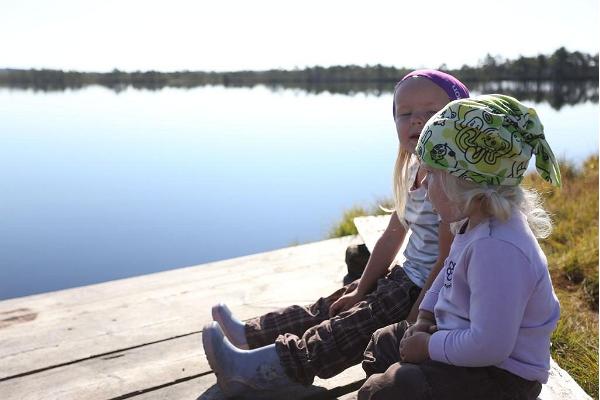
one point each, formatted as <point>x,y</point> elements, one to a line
<point>557,94</point>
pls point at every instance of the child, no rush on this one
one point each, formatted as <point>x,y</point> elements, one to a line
<point>297,343</point>
<point>483,330</point>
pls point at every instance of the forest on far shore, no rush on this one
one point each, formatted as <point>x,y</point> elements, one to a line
<point>561,66</point>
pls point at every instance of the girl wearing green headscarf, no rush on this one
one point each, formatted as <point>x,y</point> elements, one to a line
<point>483,330</point>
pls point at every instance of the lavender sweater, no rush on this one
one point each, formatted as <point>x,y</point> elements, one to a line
<point>493,301</point>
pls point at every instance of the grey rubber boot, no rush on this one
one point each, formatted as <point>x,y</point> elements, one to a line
<point>247,373</point>
<point>233,328</point>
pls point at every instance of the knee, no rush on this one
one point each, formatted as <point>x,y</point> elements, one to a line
<point>371,388</point>
<point>382,351</point>
<point>390,335</point>
<point>384,334</point>
<point>382,342</point>
<point>400,381</point>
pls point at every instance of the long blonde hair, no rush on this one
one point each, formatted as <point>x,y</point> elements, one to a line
<point>401,183</point>
<point>499,201</point>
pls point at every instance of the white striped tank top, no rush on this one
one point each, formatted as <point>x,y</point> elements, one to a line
<point>423,246</point>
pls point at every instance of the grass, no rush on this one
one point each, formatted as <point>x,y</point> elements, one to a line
<point>346,227</point>
<point>572,252</point>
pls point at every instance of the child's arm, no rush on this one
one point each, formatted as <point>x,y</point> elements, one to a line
<point>445,238</point>
<point>383,254</point>
<point>500,281</point>
<point>415,341</point>
<point>426,319</point>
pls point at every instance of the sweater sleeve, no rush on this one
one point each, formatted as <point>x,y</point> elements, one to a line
<point>501,280</point>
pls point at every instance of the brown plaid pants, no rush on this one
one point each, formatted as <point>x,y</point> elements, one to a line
<point>389,379</point>
<point>310,344</point>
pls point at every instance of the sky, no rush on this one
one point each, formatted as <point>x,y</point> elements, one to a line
<point>229,35</point>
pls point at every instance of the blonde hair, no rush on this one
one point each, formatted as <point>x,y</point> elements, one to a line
<point>499,201</point>
<point>401,183</point>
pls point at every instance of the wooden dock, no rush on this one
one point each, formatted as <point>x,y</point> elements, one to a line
<point>141,338</point>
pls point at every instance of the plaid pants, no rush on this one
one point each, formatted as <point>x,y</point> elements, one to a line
<point>310,344</point>
<point>389,379</point>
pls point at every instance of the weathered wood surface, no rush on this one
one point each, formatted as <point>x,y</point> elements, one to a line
<point>152,370</point>
<point>141,337</point>
<point>560,385</point>
<point>343,386</point>
<point>115,315</point>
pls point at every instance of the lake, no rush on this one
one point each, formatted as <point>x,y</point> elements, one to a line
<point>100,185</point>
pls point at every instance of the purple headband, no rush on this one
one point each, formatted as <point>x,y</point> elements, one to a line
<point>454,88</point>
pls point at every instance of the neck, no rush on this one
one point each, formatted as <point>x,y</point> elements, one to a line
<point>475,219</point>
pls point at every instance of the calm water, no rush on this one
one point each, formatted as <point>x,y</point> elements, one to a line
<point>99,186</point>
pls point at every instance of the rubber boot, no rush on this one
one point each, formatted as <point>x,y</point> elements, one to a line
<point>233,328</point>
<point>248,373</point>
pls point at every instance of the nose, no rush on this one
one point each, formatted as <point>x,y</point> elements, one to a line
<point>418,119</point>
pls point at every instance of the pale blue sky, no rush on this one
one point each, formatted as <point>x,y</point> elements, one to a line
<point>99,35</point>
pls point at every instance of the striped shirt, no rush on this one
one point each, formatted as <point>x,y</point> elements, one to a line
<point>423,246</point>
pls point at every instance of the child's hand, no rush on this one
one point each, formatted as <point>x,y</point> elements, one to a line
<point>345,302</point>
<point>422,325</point>
<point>415,349</point>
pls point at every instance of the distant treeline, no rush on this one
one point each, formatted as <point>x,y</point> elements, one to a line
<point>548,75</point>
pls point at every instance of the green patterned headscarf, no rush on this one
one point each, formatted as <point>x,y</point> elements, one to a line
<point>487,139</point>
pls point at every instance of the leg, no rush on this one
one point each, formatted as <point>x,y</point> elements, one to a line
<point>382,350</point>
<point>398,382</point>
<point>434,380</point>
<point>449,382</point>
<point>332,346</point>
<point>296,320</point>
<point>242,372</point>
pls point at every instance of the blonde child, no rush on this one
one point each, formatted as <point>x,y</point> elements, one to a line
<point>483,329</point>
<point>297,343</point>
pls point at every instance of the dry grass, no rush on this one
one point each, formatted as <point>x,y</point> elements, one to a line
<point>572,252</point>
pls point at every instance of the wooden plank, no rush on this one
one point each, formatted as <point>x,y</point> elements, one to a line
<point>342,386</point>
<point>44,331</point>
<point>279,259</point>
<point>370,228</point>
<point>560,384</point>
<point>560,387</point>
<point>155,371</point>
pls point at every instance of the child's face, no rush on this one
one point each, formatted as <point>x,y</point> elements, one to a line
<point>448,210</point>
<point>417,99</point>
